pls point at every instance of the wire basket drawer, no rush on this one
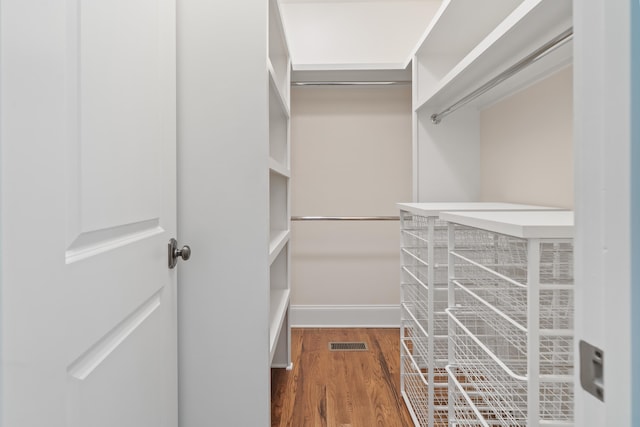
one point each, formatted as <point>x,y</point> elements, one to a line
<point>424,322</point>
<point>468,407</point>
<point>496,383</point>
<point>510,329</point>
<point>414,383</point>
<point>417,390</point>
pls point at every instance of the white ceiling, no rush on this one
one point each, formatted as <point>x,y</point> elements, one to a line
<point>352,1</point>
<point>354,34</point>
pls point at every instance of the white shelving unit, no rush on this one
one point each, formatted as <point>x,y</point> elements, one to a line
<point>279,73</point>
<point>424,299</point>
<point>450,62</point>
<point>510,318</point>
<point>233,124</point>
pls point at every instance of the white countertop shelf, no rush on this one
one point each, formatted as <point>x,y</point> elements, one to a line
<point>522,224</point>
<point>435,208</point>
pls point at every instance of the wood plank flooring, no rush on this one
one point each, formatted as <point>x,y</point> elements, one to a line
<point>340,389</point>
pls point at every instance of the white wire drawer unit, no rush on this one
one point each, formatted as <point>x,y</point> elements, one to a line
<point>510,318</point>
<point>424,299</point>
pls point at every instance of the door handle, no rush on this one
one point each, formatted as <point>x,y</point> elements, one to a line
<point>175,253</point>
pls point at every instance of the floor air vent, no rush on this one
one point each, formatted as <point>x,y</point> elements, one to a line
<point>348,346</point>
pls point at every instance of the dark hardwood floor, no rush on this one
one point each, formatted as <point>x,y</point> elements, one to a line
<point>340,389</point>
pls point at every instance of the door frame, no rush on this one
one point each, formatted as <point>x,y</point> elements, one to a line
<point>635,207</point>
<point>604,203</point>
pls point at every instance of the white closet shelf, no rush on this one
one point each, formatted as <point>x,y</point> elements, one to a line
<point>443,35</point>
<point>522,224</point>
<point>375,75</point>
<point>528,27</point>
<point>279,59</point>
<point>350,66</point>
<point>279,168</point>
<point>279,238</point>
<point>279,305</point>
<point>276,28</point>
<point>281,92</point>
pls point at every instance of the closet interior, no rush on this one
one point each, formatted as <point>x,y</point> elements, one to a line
<point>491,114</point>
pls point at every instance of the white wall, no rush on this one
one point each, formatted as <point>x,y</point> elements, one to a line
<point>323,34</point>
<point>526,149</point>
<point>447,166</point>
<point>351,156</point>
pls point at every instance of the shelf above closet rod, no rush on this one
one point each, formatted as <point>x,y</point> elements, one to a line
<point>345,218</point>
<point>539,53</point>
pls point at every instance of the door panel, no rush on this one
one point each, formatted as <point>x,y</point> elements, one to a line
<point>132,367</point>
<point>117,117</point>
<point>119,123</point>
<point>88,169</point>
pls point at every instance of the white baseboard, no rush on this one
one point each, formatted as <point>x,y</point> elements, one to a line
<point>345,316</point>
<point>288,367</point>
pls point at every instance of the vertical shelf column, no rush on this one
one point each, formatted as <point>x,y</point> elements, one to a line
<point>279,75</point>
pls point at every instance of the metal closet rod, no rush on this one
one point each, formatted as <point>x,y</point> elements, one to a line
<point>345,218</point>
<point>539,53</point>
<point>361,83</point>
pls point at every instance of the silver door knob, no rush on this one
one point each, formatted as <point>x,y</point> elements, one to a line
<point>175,253</point>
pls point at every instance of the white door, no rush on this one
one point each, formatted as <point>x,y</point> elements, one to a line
<point>87,180</point>
<point>603,122</point>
